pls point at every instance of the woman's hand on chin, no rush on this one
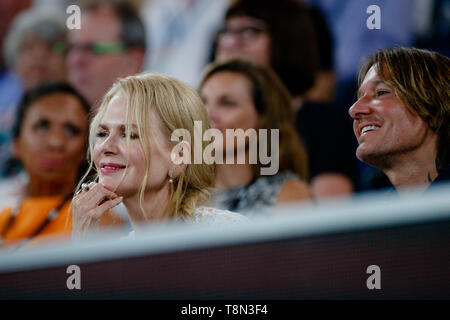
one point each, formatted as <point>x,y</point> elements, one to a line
<point>88,205</point>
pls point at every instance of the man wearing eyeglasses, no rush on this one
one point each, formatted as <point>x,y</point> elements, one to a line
<point>109,45</point>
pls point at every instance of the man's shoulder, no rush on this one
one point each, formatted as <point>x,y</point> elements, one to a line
<point>444,174</point>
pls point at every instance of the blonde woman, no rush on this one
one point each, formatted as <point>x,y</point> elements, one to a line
<point>136,161</point>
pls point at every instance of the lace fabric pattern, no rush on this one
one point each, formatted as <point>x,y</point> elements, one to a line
<point>213,216</point>
<point>255,199</point>
<point>209,216</point>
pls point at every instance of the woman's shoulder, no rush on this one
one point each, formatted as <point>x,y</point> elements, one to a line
<point>214,216</point>
<point>279,177</point>
<point>274,182</point>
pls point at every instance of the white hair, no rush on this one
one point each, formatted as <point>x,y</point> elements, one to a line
<point>46,23</point>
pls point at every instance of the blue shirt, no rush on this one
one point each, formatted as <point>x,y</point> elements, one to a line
<point>10,94</point>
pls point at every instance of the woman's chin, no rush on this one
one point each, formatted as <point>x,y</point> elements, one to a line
<point>108,183</point>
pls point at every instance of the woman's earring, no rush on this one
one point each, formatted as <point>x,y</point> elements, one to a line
<point>170,175</point>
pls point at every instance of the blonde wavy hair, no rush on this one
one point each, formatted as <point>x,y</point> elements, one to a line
<point>178,106</point>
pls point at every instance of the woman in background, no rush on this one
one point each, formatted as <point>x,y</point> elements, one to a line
<point>49,139</point>
<point>282,35</point>
<point>242,95</point>
<point>34,52</point>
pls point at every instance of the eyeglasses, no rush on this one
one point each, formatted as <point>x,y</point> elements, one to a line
<point>98,48</point>
<point>57,47</point>
<point>246,33</point>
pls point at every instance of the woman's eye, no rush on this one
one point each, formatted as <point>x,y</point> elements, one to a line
<point>132,136</point>
<point>42,125</point>
<point>73,130</point>
<point>228,103</point>
<point>251,31</point>
<point>101,134</point>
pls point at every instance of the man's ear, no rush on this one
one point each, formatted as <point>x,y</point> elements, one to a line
<point>136,59</point>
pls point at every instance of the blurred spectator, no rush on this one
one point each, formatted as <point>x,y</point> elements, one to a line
<point>180,35</point>
<point>402,116</point>
<point>34,47</point>
<point>277,34</point>
<point>354,41</point>
<point>50,135</point>
<point>33,52</point>
<point>110,44</point>
<point>241,95</point>
<point>281,34</point>
<point>323,89</point>
<point>433,25</point>
<point>8,10</point>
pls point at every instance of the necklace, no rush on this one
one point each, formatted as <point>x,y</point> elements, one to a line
<point>51,216</point>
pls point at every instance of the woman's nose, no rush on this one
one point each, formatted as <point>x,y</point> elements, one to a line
<point>56,139</point>
<point>228,47</point>
<point>109,145</point>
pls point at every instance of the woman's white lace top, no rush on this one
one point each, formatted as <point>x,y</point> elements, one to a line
<point>210,217</point>
<point>213,216</point>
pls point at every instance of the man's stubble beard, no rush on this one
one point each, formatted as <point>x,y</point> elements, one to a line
<point>387,159</point>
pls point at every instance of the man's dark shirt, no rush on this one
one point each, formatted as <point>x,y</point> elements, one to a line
<point>444,176</point>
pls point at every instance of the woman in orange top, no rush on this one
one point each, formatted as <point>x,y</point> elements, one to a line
<point>50,138</point>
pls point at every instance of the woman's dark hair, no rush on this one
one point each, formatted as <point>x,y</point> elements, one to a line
<point>36,93</point>
<point>294,45</point>
<point>14,166</point>
<point>325,42</point>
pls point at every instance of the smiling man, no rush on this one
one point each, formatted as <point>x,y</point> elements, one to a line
<point>402,116</point>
